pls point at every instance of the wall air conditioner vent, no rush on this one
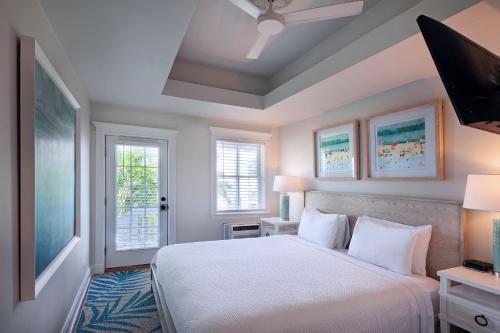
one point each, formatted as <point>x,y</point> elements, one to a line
<point>241,230</point>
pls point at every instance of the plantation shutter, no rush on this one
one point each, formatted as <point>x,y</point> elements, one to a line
<point>240,176</point>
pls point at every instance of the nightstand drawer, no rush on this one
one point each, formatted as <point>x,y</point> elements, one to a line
<point>275,226</point>
<point>470,300</point>
<point>284,230</point>
<point>467,316</point>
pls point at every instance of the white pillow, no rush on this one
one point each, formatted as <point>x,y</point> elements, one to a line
<point>421,246</point>
<point>318,228</point>
<point>384,246</point>
<point>344,232</point>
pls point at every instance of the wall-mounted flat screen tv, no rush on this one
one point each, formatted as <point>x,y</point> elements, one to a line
<point>470,73</point>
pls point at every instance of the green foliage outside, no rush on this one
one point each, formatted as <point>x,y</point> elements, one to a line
<point>137,185</point>
<point>223,189</point>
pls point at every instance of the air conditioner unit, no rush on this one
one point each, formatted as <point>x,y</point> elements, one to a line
<point>241,230</point>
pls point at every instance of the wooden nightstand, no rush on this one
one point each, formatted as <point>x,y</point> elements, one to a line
<point>276,226</point>
<point>469,300</point>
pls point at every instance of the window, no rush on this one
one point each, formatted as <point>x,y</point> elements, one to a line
<point>136,193</point>
<point>239,175</point>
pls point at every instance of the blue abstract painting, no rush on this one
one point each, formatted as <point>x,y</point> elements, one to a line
<point>55,175</point>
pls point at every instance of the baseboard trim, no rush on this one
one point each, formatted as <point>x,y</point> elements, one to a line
<point>74,311</point>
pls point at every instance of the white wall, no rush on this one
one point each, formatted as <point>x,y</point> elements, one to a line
<point>194,219</point>
<point>467,150</point>
<point>48,312</point>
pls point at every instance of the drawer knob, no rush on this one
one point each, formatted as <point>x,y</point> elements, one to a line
<point>481,320</point>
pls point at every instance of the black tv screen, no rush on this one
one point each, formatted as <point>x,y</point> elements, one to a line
<point>470,74</point>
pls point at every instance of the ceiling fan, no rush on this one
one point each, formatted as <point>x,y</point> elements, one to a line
<point>270,23</point>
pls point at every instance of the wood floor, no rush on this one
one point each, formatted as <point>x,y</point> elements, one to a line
<point>127,268</point>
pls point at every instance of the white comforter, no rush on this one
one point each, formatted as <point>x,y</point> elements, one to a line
<point>284,284</point>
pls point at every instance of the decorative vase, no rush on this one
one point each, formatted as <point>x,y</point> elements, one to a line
<point>284,206</point>
<point>496,247</point>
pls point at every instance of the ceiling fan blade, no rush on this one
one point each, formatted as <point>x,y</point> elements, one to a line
<point>258,46</point>
<point>247,7</point>
<point>324,13</point>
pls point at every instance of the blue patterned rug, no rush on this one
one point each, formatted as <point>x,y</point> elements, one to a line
<point>120,302</point>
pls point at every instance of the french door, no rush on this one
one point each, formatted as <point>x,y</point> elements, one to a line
<point>136,199</point>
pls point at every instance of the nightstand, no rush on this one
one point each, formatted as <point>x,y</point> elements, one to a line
<point>276,226</point>
<point>469,300</point>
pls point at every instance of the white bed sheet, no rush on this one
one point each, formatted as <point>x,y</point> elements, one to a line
<point>285,284</point>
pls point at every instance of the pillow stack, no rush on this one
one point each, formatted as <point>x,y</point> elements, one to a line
<point>397,247</point>
<point>327,230</point>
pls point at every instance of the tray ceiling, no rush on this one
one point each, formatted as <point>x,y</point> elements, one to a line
<point>124,52</point>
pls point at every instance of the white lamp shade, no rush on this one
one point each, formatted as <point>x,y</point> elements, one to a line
<point>483,192</point>
<point>287,184</point>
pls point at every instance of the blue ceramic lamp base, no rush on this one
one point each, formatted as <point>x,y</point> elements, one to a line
<point>496,247</point>
<point>284,206</point>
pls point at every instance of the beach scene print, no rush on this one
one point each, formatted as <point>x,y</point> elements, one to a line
<point>401,145</point>
<point>335,154</point>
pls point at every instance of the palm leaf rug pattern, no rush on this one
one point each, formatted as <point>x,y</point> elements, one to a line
<point>120,302</point>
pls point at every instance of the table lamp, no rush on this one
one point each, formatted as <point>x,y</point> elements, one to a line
<point>482,192</point>
<point>285,184</point>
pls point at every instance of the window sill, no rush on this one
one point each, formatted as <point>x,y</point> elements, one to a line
<point>243,214</point>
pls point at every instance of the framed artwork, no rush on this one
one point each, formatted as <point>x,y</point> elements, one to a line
<point>336,151</point>
<point>406,143</point>
<point>48,184</point>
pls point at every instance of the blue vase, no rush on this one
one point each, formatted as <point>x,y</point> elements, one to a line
<point>496,246</point>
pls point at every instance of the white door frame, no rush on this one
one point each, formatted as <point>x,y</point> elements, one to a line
<point>102,130</point>
<point>134,256</point>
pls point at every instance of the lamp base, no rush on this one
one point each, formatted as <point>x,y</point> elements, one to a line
<point>497,274</point>
<point>496,247</point>
<point>284,206</point>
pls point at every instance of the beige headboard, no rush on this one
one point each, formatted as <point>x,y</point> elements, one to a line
<point>446,217</point>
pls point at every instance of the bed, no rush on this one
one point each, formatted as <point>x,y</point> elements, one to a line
<point>285,284</point>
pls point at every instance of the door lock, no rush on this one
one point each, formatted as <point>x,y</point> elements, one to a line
<point>163,204</point>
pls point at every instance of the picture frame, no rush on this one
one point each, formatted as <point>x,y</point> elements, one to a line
<point>49,183</point>
<point>336,151</point>
<point>406,144</point>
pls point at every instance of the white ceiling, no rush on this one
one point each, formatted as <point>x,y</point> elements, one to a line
<point>123,51</point>
<point>220,34</point>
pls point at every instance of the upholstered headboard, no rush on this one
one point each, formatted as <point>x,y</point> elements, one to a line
<point>446,248</point>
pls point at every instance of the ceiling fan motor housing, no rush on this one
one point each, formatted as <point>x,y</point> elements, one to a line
<point>270,23</point>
